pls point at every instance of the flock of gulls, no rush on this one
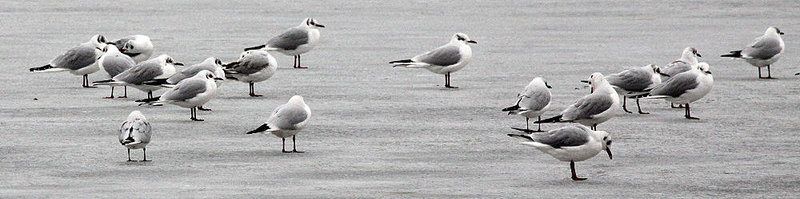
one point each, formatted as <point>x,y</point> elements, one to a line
<point>129,62</point>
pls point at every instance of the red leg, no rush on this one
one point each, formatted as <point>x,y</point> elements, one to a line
<point>574,176</point>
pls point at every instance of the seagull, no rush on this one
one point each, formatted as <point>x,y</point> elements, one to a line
<point>685,63</point>
<point>138,47</point>
<point>593,109</point>
<point>190,93</point>
<point>635,82</point>
<point>159,67</point>
<point>113,63</point>
<point>569,144</point>
<point>532,102</point>
<point>253,66</point>
<point>79,60</point>
<point>445,59</point>
<point>686,87</point>
<point>135,133</point>
<point>287,120</point>
<point>211,64</point>
<point>294,41</point>
<point>764,51</point>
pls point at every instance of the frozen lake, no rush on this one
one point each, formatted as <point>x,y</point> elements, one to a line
<point>378,131</point>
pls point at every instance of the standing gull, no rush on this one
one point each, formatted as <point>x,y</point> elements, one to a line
<point>569,144</point>
<point>253,66</point>
<point>764,51</point>
<point>685,63</point>
<point>593,109</point>
<point>445,59</point>
<point>532,102</point>
<point>287,120</point>
<point>113,63</point>
<point>635,82</point>
<point>79,60</point>
<point>211,64</point>
<point>190,93</point>
<point>294,41</point>
<point>138,47</point>
<point>160,67</point>
<point>686,87</point>
<point>135,133</point>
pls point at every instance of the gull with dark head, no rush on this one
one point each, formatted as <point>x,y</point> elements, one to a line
<point>686,87</point>
<point>138,47</point>
<point>295,41</point>
<point>80,60</point>
<point>569,144</point>
<point>113,63</point>
<point>190,93</point>
<point>445,59</point>
<point>160,67</point>
<point>635,82</point>
<point>531,102</point>
<point>286,121</point>
<point>253,66</point>
<point>593,109</point>
<point>135,133</point>
<point>763,52</point>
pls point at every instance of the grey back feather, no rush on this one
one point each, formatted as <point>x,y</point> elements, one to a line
<point>185,90</point>
<point>763,48</point>
<point>140,73</point>
<point>443,56</point>
<point>631,80</point>
<point>286,116</point>
<point>677,85</point>
<point>289,40</point>
<point>587,107</point>
<point>250,63</point>
<point>77,57</point>
<point>563,137</point>
<point>190,72</point>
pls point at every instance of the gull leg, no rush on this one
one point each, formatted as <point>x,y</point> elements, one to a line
<point>194,114</point>
<point>253,90</point>
<point>640,107</point>
<point>86,82</point>
<point>527,124</point>
<point>144,154</point>
<point>126,92</point>
<point>298,63</point>
<point>624,104</point>
<point>283,149</point>
<point>540,125</point>
<point>294,148</point>
<point>112,94</point>
<point>759,73</point>
<point>769,72</point>
<point>689,114</point>
<point>574,176</point>
<point>594,127</point>
<point>129,156</point>
<point>447,81</point>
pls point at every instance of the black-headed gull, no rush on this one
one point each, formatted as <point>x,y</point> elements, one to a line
<point>138,47</point>
<point>135,133</point>
<point>445,59</point>
<point>294,41</point>
<point>113,63</point>
<point>763,52</point>
<point>593,109</point>
<point>253,66</point>
<point>286,121</point>
<point>686,87</point>
<point>569,144</point>
<point>80,60</point>
<point>159,67</point>
<point>532,102</point>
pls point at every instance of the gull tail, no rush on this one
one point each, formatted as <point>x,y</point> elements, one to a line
<point>261,128</point>
<point>734,54</point>
<point>656,97</point>
<point>128,141</point>
<point>108,82</point>
<point>47,69</point>
<point>408,64</point>
<point>155,101</point>
<point>514,109</point>
<point>255,47</point>
<point>230,74</point>
<point>521,136</point>
<point>550,120</point>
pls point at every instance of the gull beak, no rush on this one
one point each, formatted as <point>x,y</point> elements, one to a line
<point>219,79</point>
<point>472,42</point>
<point>585,81</point>
<point>698,55</point>
<point>548,85</point>
<point>708,72</point>
<point>319,25</point>
<point>608,150</point>
<point>178,64</point>
<point>664,74</point>
<point>780,33</point>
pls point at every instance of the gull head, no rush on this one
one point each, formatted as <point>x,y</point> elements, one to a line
<point>540,81</point>
<point>166,59</point>
<point>704,67</point>
<point>463,38</point>
<point>690,55</point>
<point>297,99</point>
<point>312,23</point>
<point>596,78</point>
<point>204,74</point>
<point>110,47</point>
<point>775,30</point>
<point>99,41</point>
<point>606,141</point>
